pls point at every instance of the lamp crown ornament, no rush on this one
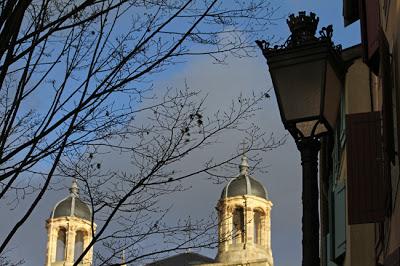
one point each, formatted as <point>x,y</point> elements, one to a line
<point>302,27</point>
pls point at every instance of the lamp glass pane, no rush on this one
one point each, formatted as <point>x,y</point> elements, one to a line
<point>332,96</point>
<point>321,128</point>
<point>307,126</point>
<point>299,89</point>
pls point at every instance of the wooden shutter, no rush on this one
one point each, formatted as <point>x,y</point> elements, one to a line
<point>370,25</point>
<point>350,11</point>
<point>365,169</point>
<point>385,74</point>
<point>329,249</point>
<point>340,220</point>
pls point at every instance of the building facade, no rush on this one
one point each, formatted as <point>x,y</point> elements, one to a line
<point>359,164</point>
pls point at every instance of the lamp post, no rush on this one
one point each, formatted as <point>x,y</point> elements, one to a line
<point>306,72</point>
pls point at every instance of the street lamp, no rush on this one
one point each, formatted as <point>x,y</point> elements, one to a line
<point>307,73</point>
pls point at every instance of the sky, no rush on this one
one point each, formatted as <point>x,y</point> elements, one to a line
<point>222,83</point>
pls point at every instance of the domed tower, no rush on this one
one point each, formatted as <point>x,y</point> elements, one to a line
<point>244,221</point>
<point>69,231</point>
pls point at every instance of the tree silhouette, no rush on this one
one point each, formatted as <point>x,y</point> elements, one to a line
<point>74,78</point>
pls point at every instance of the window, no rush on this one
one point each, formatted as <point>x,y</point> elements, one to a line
<point>78,244</point>
<point>367,183</point>
<point>257,227</point>
<point>61,240</point>
<point>238,226</point>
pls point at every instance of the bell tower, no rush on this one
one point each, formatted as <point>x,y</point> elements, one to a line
<point>244,221</point>
<point>69,231</point>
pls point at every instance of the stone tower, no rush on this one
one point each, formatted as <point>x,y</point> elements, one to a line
<point>244,222</point>
<point>69,231</point>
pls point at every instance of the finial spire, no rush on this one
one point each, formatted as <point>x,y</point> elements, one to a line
<point>74,190</point>
<point>244,165</point>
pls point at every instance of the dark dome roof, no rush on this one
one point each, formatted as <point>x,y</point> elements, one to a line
<point>244,184</point>
<point>183,259</point>
<point>64,208</point>
<point>72,206</point>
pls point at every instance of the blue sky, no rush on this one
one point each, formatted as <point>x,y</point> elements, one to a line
<point>283,179</point>
<point>222,83</point>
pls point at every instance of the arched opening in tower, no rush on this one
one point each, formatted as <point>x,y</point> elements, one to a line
<point>257,226</point>
<point>238,226</point>
<point>78,248</point>
<point>61,241</point>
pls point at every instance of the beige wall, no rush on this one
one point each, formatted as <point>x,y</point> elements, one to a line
<point>390,19</point>
<point>360,84</point>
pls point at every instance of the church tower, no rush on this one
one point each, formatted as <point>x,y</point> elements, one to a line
<point>69,231</point>
<point>244,221</point>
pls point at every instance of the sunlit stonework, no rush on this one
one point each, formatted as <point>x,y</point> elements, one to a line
<point>69,231</point>
<point>244,222</point>
<point>244,227</point>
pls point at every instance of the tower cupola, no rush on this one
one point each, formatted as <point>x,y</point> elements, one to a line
<point>69,230</point>
<point>244,220</point>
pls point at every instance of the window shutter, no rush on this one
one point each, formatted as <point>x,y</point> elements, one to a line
<point>329,249</point>
<point>340,220</point>
<point>370,24</point>
<point>396,85</point>
<point>342,122</point>
<point>350,11</point>
<point>336,156</point>
<point>365,169</point>
<point>387,106</point>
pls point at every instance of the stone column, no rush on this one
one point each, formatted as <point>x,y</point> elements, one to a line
<point>267,230</point>
<point>223,237</point>
<point>249,226</point>
<point>70,245</point>
<point>220,227</point>
<point>87,237</point>
<point>227,227</point>
<point>51,244</point>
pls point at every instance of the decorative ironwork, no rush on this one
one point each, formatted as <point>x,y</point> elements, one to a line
<point>326,32</point>
<point>303,28</point>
